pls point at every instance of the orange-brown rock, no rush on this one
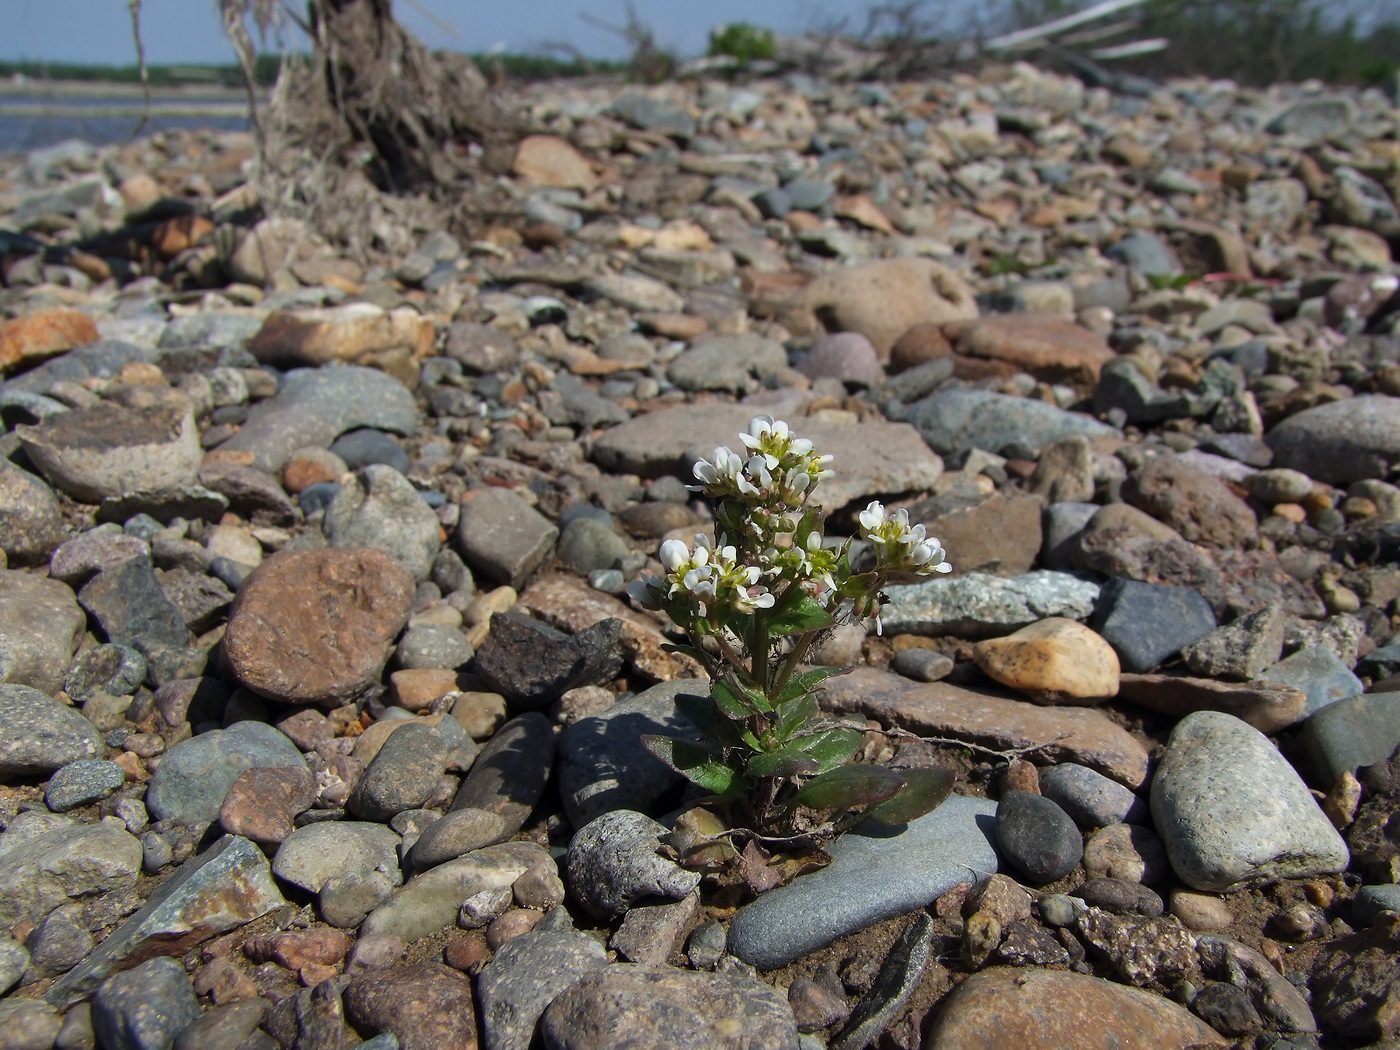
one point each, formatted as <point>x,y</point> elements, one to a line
<point>314,627</point>
<point>355,333</point>
<point>416,688</point>
<point>42,334</point>
<point>1048,347</point>
<point>863,211</point>
<point>547,160</point>
<point>1005,1007</point>
<point>880,300</point>
<point>1054,660</point>
<point>174,236</point>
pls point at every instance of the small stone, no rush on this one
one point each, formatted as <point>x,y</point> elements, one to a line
<point>532,664</point>
<point>1037,836</point>
<point>402,776</point>
<point>1200,912</point>
<point>1054,660</point>
<point>379,508</point>
<point>455,834</point>
<point>39,735</point>
<point>1241,650</point>
<point>196,775</point>
<point>1319,674</point>
<point>525,976</point>
<point>1146,623</point>
<point>426,1006</point>
<point>28,1025</point>
<point>82,783</point>
<point>922,665</point>
<point>615,860</point>
<point>31,523</point>
<point>145,1008</point>
<point>503,537</point>
<point>262,802</point>
<point>1091,799</point>
<point>1131,852</point>
<point>132,608</point>
<point>1121,897</point>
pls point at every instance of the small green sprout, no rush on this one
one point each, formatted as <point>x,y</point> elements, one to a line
<point>751,605</point>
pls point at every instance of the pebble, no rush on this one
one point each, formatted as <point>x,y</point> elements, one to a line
<point>525,976</point>
<point>1037,837</point>
<point>31,523</point>
<point>503,537</point>
<point>1146,622</point>
<point>41,626</point>
<point>615,860</point>
<point>145,1007</point>
<point>1054,660</point>
<point>873,876</point>
<point>422,1006</point>
<point>402,775</point>
<point>312,854</point>
<point>1091,799</point>
<point>1318,674</point>
<point>195,776</point>
<point>39,735</point>
<point>379,508</point>
<point>82,783</point>
<point>1348,734</point>
<point>1230,808</point>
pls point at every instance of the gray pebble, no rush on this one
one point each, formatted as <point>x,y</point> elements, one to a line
<point>616,859</point>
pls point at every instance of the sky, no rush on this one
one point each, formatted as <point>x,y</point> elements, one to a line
<point>177,31</point>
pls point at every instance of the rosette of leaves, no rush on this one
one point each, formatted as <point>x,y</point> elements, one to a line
<point>779,769</point>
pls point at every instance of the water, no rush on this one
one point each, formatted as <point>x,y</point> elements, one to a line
<point>34,120</point>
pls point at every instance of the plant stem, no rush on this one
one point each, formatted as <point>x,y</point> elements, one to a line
<point>799,650</point>
<point>760,654</point>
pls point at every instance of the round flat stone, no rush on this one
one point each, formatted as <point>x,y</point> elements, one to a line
<point>80,783</point>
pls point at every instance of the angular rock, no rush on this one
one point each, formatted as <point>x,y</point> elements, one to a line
<point>379,508</point>
<point>999,533</point>
<point>145,1008</point>
<point>531,664</point>
<point>43,333</point>
<point>1147,623</point>
<point>316,626</point>
<point>110,449</point>
<point>221,889</point>
<point>127,601</point>
<point>1241,650</point>
<point>45,862</point>
<point>1267,706</point>
<point>503,537</point>
<point>1351,733</point>
<point>1318,673</point>
<point>616,859</point>
<point>525,976</point>
<point>981,606</point>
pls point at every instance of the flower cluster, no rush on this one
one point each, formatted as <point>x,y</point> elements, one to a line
<point>712,578</point>
<point>899,546</point>
<point>778,474</point>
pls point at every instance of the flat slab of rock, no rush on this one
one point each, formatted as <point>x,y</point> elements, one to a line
<point>1230,808</point>
<point>315,406</point>
<point>1050,348</point>
<point>870,459</point>
<point>1005,1007</point>
<point>353,332</point>
<point>226,886</point>
<point>312,854</point>
<point>1071,734</point>
<point>981,606</point>
<point>316,626</point>
<point>963,418</point>
<point>876,872</point>
<point>1267,706</point>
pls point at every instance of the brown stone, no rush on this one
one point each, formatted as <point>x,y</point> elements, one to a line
<point>1064,472</point>
<point>547,160</point>
<point>1000,533</point>
<point>1200,507</point>
<point>359,333</point>
<point>427,1005</point>
<point>298,948</point>
<point>674,326</point>
<point>1267,706</point>
<point>316,626</point>
<point>1051,661</point>
<point>1000,1008</point>
<point>180,234</point>
<point>302,473</point>
<point>863,211</point>
<point>416,689</point>
<point>922,343</point>
<point>1048,347</point>
<point>881,300</point>
<point>1069,734</point>
<point>1130,852</point>
<point>42,334</point>
<point>262,803</point>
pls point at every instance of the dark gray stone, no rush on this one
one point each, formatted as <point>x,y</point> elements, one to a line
<point>877,872</point>
<point>1090,798</point>
<point>128,604</point>
<point>531,664</point>
<point>1242,650</point>
<point>81,783</point>
<point>1037,837</point>
<point>964,418</point>
<point>1318,672</point>
<point>1146,622</point>
<point>402,775</point>
<point>603,765</point>
<point>117,670</point>
<point>1370,901</point>
<point>362,448</point>
<point>315,405</point>
<point>526,974</point>
<point>587,545</point>
<point>1146,253</point>
<point>1121,897</point>
<point>1348,734</point>
<point>144,1008</point>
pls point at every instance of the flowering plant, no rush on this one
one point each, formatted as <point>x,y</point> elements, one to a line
<point>751,604</point>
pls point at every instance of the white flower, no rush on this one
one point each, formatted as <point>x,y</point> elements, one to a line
<point>899,546</point>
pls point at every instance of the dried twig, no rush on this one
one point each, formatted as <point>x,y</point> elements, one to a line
<point>135,8</point>
<point>1007,755</point>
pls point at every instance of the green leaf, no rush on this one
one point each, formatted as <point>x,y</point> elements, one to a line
<point>830,747</point>
<point>794,714</point>
<point>927,789</point>
<point>737,702</point>
<point>805,681</point>
<point>848,786</point>
<point>699,763</point>
<point>798,615</point>
<point>784,762</point>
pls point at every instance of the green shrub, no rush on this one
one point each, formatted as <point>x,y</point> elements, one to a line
<point>741,40</point>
